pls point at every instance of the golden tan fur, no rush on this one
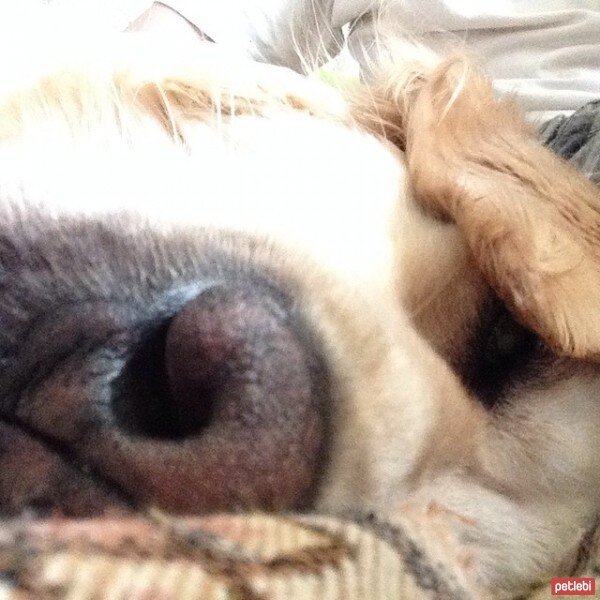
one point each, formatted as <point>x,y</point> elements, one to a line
<point>531,221</point>
<point>491,211</point>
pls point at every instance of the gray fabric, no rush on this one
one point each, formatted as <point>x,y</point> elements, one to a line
<point>577,138</point>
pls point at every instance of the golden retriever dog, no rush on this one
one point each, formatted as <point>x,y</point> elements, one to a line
<point>226,286</point>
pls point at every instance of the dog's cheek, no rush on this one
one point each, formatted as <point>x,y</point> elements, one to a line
<point>398,424</point>
<point>487,538</point>
<point>436,281</point>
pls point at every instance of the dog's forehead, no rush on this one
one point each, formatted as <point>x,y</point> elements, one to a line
<point>318,185</point>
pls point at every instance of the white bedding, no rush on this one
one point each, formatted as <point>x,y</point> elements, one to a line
<point>545,51</point>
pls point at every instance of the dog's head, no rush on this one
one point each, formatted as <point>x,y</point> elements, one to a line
<point>223,287</point>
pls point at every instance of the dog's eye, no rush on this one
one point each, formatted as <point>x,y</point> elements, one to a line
<point>500,354</point>
<point>506,338</point>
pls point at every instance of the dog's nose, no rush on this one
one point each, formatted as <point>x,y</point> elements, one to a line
<point>244,403</point>
<point>213,405</point>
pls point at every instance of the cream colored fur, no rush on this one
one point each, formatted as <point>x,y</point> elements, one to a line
<point>320,179</point>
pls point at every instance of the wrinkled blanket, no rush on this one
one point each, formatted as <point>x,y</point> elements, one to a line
<point>258,556</point>
<point>241,557</point>
<point>577,138</point>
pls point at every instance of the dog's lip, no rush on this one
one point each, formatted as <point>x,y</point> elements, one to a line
<point>138,470</point>
<point>37,475</point>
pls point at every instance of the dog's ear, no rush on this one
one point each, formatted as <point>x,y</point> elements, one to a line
<point>530,219</point>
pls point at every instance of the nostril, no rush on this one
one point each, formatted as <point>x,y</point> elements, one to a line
<point>235,392</point>
<point>141,404</point>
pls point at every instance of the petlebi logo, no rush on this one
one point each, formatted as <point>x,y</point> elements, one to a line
<point>573,586</point>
